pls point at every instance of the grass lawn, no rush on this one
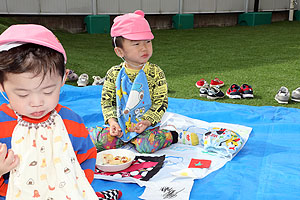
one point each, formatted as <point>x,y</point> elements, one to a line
<point>266,57</point>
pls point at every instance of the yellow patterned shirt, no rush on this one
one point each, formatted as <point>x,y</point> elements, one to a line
<point>157,87</point>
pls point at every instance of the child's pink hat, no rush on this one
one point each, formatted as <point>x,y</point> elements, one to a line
<point>132,26</point>
<point>17,35</point>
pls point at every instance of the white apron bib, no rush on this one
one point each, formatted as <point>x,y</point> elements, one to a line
<point>48,168</point>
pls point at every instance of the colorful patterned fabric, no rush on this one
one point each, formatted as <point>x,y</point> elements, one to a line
<point>48,166</point>
<point>82,144</point>
<point>133,101</point>
<point>152,140</point>
<point>147,142</point>
<point>142,168</point>
<point>222,141</point>
<point>103,140</point>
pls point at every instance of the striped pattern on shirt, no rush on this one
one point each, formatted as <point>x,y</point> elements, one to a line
<point>82,144</point>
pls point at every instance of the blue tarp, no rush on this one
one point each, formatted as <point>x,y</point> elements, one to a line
<point>268,167</point>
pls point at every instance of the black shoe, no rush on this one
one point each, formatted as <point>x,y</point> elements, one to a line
<point>215,93</point>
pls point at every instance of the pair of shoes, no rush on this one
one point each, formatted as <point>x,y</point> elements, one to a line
<point>283,95</point>
<point>237,92</point>
<point>83,80</point>
<point>98,80</point>
<point>213,83</point>
<point>210,92</point>
<point>72,76</point>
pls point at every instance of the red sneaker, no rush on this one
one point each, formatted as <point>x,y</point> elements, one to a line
<point>247,91</point>
<point>215,82</point>
<point>234,92</point>
<point>200,83</point>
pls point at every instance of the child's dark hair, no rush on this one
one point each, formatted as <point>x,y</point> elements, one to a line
<point>118,42</point>
<point>32,58</point>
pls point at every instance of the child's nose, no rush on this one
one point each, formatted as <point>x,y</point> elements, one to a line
<point>36,101</point>
<point>144,45</point>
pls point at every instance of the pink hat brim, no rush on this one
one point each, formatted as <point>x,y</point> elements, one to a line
<point>139,36</point>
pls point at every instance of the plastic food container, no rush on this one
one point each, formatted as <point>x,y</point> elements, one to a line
<point>114,160</point>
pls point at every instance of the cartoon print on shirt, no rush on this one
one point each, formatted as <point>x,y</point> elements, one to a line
<point>18,194</point>
<point>36,194</point>
<point>120,93</point>
<point>129,125</point>
<point>139,112</point>
<point>135,97</point>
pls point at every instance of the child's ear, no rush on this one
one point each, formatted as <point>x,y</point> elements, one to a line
<point>1,88</point>
<point>65,77</point>
<point>119,52</point>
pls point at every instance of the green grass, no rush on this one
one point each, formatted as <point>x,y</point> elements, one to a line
<point>266,57</point>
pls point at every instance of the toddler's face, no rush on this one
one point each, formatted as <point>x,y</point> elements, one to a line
<point>136,52</point>
<point>30,96</point>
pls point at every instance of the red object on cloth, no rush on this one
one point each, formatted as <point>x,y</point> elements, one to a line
<point>198,163</point>
<point>109,194</point>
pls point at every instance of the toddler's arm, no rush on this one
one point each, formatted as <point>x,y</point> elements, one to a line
<point>159,97</point>
<point>108,100</point>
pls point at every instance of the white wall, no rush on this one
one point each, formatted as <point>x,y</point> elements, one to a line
<point>85,7</point>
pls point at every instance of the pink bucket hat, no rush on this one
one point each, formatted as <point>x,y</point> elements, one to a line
<point>132,26</point>
<point>17,35</point>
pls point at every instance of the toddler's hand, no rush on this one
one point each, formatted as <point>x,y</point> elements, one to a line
<point>8,160</point>
<point>141,126</point>
<point>115,129</point>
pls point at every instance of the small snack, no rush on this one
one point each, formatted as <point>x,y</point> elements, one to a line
<point>124,159</point>
<point>109,159</point>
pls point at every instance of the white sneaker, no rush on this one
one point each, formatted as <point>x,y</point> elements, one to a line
<point>83,80</point>
<point>203,91</point>
<point>282,95</point>
<point>296,95</point>
<point>98,80</point>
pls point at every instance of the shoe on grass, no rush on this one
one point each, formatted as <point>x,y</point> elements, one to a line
<point>216,82</point>
<point>214,93</point>
<point>203,91</point>
<point>98,80</point>
<point>83,80</point>
<point>247,91</point>
<point>72,76</point>
<point>296,95</point>
<point>234,92</point>
<point>282,95</point>
<point>200,83</point>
